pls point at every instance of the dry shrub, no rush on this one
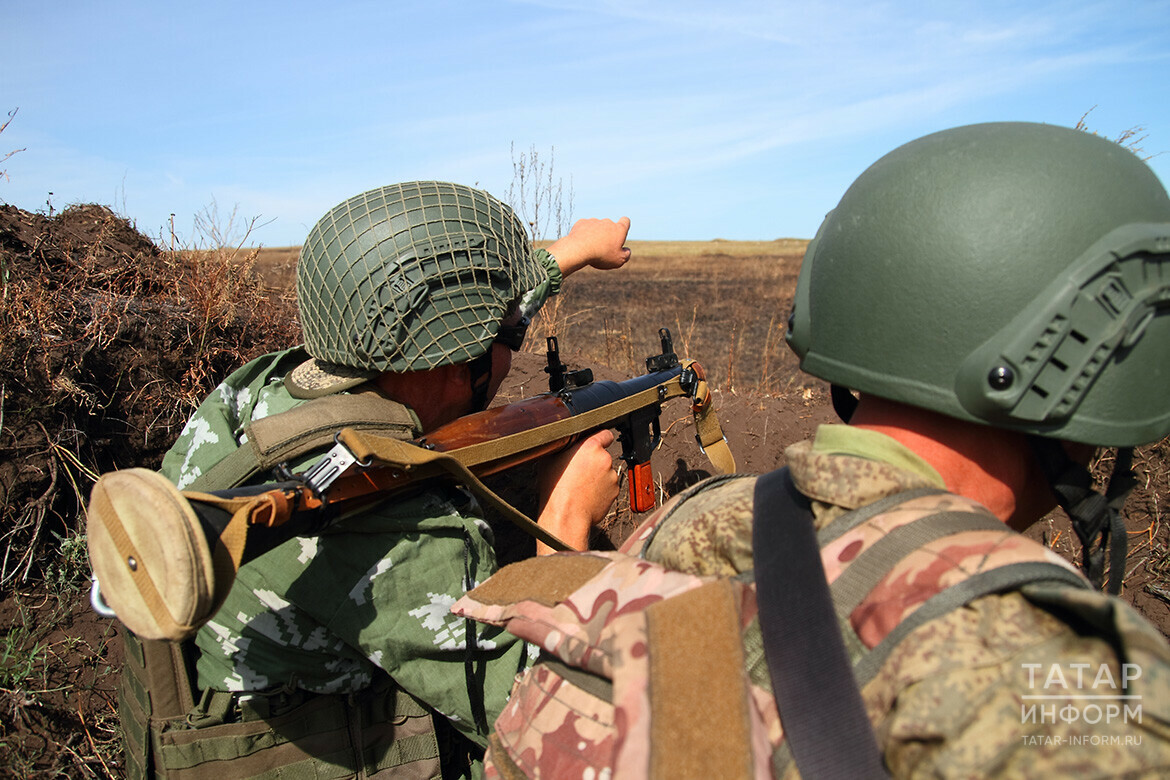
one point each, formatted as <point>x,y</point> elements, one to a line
<point>107,344</point>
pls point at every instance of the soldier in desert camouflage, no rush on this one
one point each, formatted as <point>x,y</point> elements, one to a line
<point>998,295</point>
<point>336,655</point>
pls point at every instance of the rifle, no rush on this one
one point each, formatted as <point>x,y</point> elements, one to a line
<point>152,545</point>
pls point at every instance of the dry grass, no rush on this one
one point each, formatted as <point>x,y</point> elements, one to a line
<point>1131,138</point>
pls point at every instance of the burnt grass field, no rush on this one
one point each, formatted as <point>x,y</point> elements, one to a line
<point>107,344</point>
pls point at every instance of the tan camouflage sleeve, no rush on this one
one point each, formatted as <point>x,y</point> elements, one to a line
<point>1003,688</point>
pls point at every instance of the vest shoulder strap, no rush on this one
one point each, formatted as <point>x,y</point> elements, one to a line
<point>296,432</point>
<point>825,723</point>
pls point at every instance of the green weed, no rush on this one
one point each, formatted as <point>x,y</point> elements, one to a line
<point>18,661</point>
<point>69,573</point>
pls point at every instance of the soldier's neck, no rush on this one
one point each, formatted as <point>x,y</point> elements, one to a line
<point>993,466</point>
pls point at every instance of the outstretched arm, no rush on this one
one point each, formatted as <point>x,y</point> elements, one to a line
<point>599,243</point>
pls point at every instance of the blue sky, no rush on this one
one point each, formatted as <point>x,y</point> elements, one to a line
<point>740,119</point>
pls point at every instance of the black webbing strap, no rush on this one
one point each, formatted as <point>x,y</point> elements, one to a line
<point>1096,518</point>
<point>820,705</point>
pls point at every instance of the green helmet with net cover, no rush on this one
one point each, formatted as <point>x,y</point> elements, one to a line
<point>1012,274</point>
<point>410,277</point>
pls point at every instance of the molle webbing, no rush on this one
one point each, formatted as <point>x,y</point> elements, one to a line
<point>380,732</point>
<point>154,690</point>
<point>868,569</point>
<point>856,517</point>
<point>310,426</point>
<point>375,733</point>
<point>1001,580</point>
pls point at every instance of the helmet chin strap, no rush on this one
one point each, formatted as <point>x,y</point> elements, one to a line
<point>1096,518</point>
<point>844,402</point>
<point>480,370</point>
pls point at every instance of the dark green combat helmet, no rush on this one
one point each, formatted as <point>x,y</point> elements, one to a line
<point>1012,274</point>
<point>410,277</point>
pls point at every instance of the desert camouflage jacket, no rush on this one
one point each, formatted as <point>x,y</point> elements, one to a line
<point>654,665</point>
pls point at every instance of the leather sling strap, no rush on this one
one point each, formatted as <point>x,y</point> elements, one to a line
<point>707,429</point>
<point>420,463</point>
<point>372,428</point>
<point>824,718</point>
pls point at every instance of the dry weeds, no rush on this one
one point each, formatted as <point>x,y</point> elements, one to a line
<point>107,344</point>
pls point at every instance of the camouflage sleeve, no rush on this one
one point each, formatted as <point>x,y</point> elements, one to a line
<point>705,530</point>
<point>1002,688</point>
<point>533,299</point>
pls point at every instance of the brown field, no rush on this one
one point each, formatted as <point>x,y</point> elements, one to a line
<point>107,343</point>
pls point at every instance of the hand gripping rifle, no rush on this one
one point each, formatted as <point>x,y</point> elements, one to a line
<point>166,559</point>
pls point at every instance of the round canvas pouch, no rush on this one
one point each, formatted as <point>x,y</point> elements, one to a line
<point>151,555</point>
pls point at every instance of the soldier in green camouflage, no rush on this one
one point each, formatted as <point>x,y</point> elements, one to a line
<point>998,295</point>
<point>326,646</point>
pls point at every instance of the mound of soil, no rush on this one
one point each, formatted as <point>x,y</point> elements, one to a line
<point>108,343</point>
<point>106,346</point>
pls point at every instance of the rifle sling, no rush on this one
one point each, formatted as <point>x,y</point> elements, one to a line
<point>710,434</point>
<point>418,463</point>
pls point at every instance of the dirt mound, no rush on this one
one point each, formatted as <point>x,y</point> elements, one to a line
<point>106,346</point>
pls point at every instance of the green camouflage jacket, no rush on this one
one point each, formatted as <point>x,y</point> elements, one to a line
<point>370,596</point>
<point>654,663</point>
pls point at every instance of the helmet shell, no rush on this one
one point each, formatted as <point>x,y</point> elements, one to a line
<point>412,276</point>
<point>1012,274</point>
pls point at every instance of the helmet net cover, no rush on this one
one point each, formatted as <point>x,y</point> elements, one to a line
<point>412,276</point>
<point>1012,274</point>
